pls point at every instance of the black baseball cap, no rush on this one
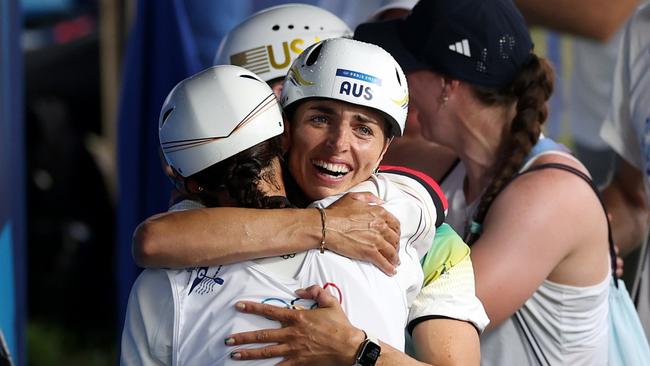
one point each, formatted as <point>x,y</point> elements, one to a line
<point>483,42</point>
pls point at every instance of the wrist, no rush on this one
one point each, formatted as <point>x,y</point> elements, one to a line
<point>368,351</point>
<point>357,338</point>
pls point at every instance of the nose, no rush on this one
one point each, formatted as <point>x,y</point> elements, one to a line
<point>338,138</point>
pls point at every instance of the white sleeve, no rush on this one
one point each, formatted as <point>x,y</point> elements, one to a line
<point>627,123</point>
<point>417,201</point>
<point>148,327</point>
<point>449,289</point>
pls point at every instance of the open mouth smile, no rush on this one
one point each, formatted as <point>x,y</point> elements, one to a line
<point>334,170</point>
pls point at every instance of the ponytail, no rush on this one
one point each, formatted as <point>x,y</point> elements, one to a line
<point>531,90</point>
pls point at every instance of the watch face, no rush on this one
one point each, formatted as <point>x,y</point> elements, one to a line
<point>369,354</point>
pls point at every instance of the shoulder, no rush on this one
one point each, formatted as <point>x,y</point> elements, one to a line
<point>151,294</point>
<point>148,327</point>
<point>545,204</point>
<point>547,182</point>
<point>419,186</point>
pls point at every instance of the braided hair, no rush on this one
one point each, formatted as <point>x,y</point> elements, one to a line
<point>240,176</point>
<point>531,90</point>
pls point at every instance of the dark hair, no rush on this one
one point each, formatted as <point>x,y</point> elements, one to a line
<point>240,175</point>
<point>531,89</point>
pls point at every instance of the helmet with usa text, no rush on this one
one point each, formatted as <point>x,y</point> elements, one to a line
<point>269,40</point>
<point>350,71</point>
<point>205,120</point>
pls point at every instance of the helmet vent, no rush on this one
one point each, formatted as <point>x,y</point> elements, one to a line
<point>166,115</point>
<point>276,27</point>
<point>307,27</point>
<point>250,77</point>
<point>313,56</point>
<point>399,80</point>
<point>290,26</point>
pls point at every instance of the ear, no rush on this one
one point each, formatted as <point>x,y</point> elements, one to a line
<point>383,152</point>
<point>449,85</point>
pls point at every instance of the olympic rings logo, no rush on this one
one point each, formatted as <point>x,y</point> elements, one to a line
<point>302,304</point>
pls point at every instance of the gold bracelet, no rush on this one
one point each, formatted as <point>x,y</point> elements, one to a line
<point>322,221</point>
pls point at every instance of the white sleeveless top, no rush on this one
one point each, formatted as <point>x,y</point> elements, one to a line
<point>568,323</point>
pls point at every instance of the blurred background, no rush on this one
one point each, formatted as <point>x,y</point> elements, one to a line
<point>82,82</point>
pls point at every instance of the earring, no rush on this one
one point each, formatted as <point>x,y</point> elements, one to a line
<point>443,99</point>
<point>199,188</point>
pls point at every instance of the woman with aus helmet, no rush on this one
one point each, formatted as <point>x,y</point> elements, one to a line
<point>268,41</point>
<point>343,113</point>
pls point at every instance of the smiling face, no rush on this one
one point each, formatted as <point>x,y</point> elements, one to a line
<point>334,146</point>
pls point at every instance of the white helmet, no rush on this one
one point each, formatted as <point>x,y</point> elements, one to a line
<point>351,71</point>
<point>268,41</point>
<point>214,115</point>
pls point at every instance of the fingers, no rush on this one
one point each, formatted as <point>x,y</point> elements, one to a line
<point>385,218</point>
<point>365,197</point>
<point>278,350</point>
<point>392,223</point>
<point>383,264</point>
<point>620,267</point>
<point>392,239</point>
<point>309,293</point>
<point>283,315</point>
<point>318,294</point>
<point>256,336</point>
<point>619,262</point>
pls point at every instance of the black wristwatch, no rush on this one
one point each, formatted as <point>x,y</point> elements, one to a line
<point>368,352</point>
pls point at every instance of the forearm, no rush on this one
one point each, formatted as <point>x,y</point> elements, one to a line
<point>214,236</point>
<point>596,19</point>
<point>629,216</point>
<point>391,357</point>
<point>441,342</point>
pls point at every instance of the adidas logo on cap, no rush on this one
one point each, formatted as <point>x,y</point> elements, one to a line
<point>461,47</point>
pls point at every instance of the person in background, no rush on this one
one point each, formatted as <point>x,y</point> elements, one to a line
<point>268,41</point>
<point>627,131</point>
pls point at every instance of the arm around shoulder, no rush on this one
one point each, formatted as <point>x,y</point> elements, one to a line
<point>215,236</point>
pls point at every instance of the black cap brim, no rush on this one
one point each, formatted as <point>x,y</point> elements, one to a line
<point>387,36</point>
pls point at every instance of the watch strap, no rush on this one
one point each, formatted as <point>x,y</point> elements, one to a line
<point>368,352</point>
